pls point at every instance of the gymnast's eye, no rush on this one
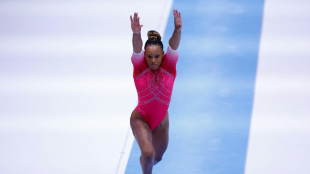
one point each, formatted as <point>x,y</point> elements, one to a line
<point>149,56</point>
<point>157,56</point>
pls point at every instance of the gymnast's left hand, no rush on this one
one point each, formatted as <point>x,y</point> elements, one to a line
<point>177,20</point>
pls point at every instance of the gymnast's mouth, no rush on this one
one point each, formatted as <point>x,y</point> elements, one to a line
<point>154,66</point>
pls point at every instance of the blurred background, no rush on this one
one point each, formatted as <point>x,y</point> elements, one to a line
<point>240,102</point>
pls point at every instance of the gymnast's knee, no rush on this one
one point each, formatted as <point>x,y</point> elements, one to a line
<point>147,154</point>
<point>158,159</point>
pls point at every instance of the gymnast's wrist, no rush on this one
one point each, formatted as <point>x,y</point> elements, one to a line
<point>177,30</point>
<point>136,32</point>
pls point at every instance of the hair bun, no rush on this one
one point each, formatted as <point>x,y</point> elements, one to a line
<point>153,35</point>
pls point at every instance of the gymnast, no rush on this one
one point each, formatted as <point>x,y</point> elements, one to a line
<point>154,74</point>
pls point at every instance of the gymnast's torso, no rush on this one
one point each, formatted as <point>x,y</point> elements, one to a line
<point>154,87</point>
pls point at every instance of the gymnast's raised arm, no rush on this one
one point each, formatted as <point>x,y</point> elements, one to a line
<point>176,36</point>
<point>136,35</point>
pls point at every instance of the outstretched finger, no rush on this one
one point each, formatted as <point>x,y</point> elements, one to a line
<point>131,18</point>
<point>136,17</point>
<point>176,14</point>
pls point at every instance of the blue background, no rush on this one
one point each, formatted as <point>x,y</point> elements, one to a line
<point>211,105</point>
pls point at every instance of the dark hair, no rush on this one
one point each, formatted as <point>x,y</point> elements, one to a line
<point>153,39</point>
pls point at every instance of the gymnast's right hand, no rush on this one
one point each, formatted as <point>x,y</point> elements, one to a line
<point>135,23</point>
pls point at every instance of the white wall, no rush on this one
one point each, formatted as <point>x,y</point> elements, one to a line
<point>280,133</point>
<point>66,87</point>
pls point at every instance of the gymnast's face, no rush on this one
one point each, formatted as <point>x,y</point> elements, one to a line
<point>153,56</point>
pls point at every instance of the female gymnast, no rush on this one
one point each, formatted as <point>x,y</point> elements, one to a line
<point>154,74</point>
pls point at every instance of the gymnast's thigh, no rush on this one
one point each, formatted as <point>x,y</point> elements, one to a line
<point>160,138</point>
<point>141,131</point>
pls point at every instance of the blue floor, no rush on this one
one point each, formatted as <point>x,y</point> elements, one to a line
<point>211,105</point>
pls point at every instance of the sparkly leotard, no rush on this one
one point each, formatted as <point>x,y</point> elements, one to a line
<point>154,87</point>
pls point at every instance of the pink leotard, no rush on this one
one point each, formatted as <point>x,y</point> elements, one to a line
<point>154,88</point>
